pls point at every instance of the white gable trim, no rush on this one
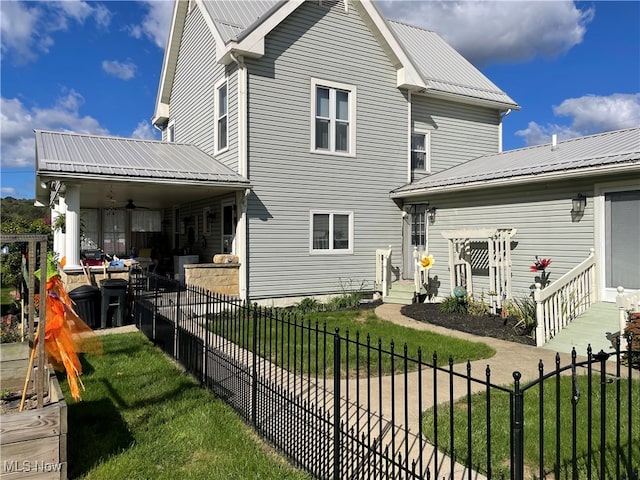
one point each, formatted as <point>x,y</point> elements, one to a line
<point>161,113</point>
<point>407,74</point>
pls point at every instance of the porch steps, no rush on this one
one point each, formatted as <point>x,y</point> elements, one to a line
<point>592,327</point>
<point>401,293</point>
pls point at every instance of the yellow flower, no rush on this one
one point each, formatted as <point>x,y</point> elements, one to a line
<point>427,262</point>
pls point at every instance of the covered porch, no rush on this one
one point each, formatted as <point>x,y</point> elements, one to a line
<point>119,204</point>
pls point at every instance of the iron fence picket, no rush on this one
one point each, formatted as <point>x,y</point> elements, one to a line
<point>243,353</point>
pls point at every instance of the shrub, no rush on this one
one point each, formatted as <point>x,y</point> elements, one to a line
<point>477,308</point>
<point>525,310</point>
<point>451,304</point>
<point>308,305</point>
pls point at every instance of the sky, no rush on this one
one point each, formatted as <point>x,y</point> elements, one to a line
<point>94,67</point>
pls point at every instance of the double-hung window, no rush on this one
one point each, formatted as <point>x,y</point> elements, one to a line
<point>221,108</point>
<point>420,146</point>
<point>333,117</point>
<point>331,232</point>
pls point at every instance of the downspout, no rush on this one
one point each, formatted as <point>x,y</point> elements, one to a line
<point>242,198</point>
<point>501,116</point>
<point>410,131</point>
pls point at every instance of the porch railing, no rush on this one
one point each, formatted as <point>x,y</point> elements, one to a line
<point>626,302</point>
<point>383,270</point>
<point>561,302</point>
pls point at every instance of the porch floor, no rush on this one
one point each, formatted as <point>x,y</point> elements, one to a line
<point>592,327</point>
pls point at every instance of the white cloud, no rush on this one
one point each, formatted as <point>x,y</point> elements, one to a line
<point>156,22</point>
<point>123,71</point>
<point>26,28</point>
<point>17,122</point>
<point>9,192</point>
<point>145,131</point>
<point>590,114</point>
<point>489,32</point>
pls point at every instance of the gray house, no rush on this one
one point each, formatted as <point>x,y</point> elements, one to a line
<point>305,136</point>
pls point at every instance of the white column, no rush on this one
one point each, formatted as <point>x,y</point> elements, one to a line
<point>72,241</point>
<point>59,236</point>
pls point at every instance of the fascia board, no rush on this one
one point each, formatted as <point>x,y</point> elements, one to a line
<point>171,55</point>
<point>410,76</point>
<point>221,48</point>
<point>517,181</point>
<point>253,42</point>
<point>468,100</point>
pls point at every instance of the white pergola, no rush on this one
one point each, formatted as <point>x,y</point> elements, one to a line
<point>498,259</point>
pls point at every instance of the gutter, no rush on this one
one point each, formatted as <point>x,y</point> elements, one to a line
<point>501,182</point>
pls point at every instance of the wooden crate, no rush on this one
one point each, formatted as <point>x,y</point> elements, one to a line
<point>33,443</point>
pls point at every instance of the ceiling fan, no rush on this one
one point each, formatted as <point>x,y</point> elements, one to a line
<point>132,206</point>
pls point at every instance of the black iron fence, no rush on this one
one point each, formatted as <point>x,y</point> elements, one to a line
<point>344,407</point>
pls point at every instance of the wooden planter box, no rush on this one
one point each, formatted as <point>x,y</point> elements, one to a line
<point>33,443</point>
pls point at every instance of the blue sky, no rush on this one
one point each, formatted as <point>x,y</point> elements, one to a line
<point>93,67</point>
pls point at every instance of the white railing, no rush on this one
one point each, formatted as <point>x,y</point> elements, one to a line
<point>561,302</point>
<point>383,270</point>
<point>420,275</point>
<point>626,302</point>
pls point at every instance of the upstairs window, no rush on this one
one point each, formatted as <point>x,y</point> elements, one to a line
<point>222,103</point>
<point>420,151</point>
<point>333,118</point>
<point>171,132</point>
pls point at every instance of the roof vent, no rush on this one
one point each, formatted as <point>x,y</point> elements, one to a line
<point>554,142</point>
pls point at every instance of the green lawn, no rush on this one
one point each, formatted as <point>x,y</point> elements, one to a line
<point>142,418</point>
<point>500,429</point>
<point>351,321</point>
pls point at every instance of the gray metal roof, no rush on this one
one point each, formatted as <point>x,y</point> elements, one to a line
<point>233,18</point>
<point>87,156</point>
<point>609,150</point>
<point>442,67</point>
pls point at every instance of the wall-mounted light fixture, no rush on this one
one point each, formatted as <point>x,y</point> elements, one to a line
<point>578,203</point>
<point>431,211</point>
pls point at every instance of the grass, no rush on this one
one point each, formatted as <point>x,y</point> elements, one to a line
<point>361,322</point>
<point>141,417</point>
<point>500,429</point>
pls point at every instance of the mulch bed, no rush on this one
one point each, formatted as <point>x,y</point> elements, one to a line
<point>484,326</point>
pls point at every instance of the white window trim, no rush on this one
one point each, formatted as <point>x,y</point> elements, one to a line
<point>330,250</point>
<point>427,148</point>
<point>217,87</point>
<point>315,82</point>
<point>171,126</point>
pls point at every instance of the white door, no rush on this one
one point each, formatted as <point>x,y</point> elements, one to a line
<point>622,242</point>
<point>415,237</point>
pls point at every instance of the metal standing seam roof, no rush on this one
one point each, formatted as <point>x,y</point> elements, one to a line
<point>233,18</point>
<point>80,155</point>
<point>620,147</point>
<point>443,68</point>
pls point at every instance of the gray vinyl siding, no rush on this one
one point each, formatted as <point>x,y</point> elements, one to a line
<point>542,215</point>
<point>459,132</point>
<point>289,181</point>
<point>192,106</point>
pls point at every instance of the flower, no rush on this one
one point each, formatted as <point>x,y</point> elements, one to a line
<point>427,262</point>
<point>540,264</point>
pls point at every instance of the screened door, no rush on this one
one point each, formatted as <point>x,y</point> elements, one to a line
<point>622,241</point>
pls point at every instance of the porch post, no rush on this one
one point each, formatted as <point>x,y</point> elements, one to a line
<point>72,225</point>
<point>541,330</point>
<point>58,235</point>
